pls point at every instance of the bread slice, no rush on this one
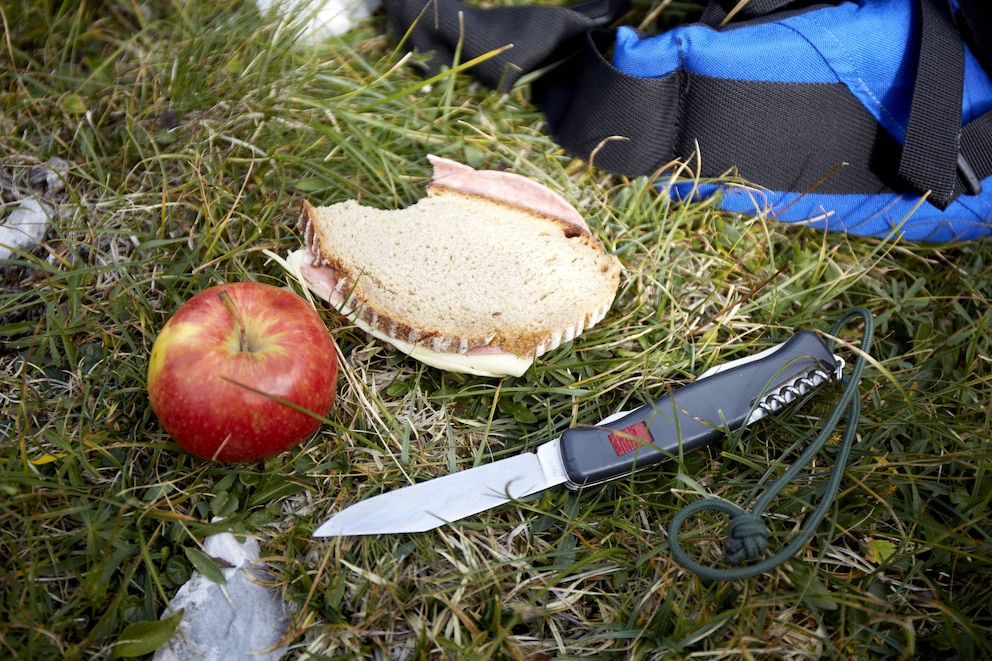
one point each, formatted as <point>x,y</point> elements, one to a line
<point>488,263</point>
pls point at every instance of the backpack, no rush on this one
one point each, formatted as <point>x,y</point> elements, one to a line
<point>871,117</point>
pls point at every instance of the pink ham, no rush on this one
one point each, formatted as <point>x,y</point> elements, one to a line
<point>506,187</point>
<point>322,280</point>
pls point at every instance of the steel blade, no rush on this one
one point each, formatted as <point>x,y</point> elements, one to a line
<point>428,505</point>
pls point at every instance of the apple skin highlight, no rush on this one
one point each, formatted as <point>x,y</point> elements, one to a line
<point>221,373</point>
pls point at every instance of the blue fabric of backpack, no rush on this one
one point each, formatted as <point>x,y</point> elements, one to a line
<point>871,117</point>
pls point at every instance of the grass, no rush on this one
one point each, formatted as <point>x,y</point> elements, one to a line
<point>193,132</point>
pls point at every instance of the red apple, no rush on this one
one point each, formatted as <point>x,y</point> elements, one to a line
<point>230,368</point>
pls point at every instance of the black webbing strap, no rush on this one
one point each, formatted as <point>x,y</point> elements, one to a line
<point>975,21</point>
<point>621,123</point>
<point>538,34</point>
<point>931,149</point>
<point>976,145</point>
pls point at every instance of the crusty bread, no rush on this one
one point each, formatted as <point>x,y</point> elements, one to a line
<point>457,270</point>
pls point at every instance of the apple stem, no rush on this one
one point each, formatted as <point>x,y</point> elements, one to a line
<point>233,309</point>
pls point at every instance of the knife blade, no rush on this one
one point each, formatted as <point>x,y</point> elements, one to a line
<point>723,399</point>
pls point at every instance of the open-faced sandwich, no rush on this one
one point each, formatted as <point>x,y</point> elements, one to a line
<point>483,275</point>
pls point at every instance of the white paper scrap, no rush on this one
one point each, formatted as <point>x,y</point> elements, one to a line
<point>240,619</point>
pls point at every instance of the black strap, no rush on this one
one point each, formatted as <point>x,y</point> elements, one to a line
<point>538,34</point>
<point>976,147</point>
<point>624,124</point>
<point>975,22</point>
<point>931,147</point>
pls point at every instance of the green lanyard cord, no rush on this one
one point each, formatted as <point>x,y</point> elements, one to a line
<point>747,536</point>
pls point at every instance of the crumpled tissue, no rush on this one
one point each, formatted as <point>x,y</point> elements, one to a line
<point>239,619</point>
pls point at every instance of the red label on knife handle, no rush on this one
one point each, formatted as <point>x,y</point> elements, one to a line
<point>630,438</point>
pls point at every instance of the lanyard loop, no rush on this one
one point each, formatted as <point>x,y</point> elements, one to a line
<point>747,535</point>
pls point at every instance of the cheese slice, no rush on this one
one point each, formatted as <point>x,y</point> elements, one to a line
<point>482,364</point>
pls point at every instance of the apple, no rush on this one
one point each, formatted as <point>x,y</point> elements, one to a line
<point>234,370</point>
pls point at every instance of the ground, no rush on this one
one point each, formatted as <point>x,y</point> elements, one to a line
<point>192,133</point>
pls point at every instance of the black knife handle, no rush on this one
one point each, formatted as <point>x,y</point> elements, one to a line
<point>683,420</point>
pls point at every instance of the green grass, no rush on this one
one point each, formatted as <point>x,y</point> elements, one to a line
<point>195,131</point>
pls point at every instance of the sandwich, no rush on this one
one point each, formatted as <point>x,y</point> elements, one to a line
<point>482,276</point>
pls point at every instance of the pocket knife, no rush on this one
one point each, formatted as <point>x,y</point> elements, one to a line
<point>723,399</point>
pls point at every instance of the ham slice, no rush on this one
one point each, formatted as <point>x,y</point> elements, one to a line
<point>507,187</point>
